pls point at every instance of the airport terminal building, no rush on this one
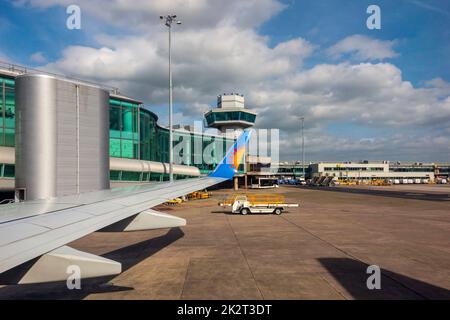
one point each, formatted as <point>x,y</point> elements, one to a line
<point>365,170</point>
<point>370,170</point>
<point>86,122</point>
<point>138,146</point>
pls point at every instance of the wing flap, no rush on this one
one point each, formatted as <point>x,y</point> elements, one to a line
<point>19,230</point>
<point>58,220</point>
<point>146,220</point>
<point>23,247</point>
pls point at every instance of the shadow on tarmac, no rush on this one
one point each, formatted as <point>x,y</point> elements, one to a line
<point>127,256</point>
<point>352,276</point>
<point>419,195</point>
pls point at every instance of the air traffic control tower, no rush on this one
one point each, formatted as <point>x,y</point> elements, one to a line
<point>231,118</point>
<point>230,114</point>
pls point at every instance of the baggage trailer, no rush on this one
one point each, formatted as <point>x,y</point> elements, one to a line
<point>257,203</point>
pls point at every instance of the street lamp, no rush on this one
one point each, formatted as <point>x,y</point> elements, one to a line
<point>303,146</point>
<point>169,19</point>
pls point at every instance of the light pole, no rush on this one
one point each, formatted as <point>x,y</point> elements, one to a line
<point>303,146</point>
<point>169,19</point>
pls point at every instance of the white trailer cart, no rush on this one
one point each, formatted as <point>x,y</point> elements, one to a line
<point>257,203</point>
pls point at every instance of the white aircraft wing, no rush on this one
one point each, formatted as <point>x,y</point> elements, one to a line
<point>41,229</point>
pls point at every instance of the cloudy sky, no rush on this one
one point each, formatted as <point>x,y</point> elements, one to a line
<point>365,94</point>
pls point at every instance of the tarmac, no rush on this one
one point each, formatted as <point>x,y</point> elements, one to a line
<point>321,250</point>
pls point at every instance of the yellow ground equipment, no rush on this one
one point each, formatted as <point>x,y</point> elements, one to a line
<point>254,198</point>
<point>347,183</point>
<point>198,195</point>
<point>174,202</point>
<point>379,183</point>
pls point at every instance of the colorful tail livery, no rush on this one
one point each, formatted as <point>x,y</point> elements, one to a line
<point>230,163</point>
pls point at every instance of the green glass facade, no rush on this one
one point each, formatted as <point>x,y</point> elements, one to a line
<point>123,129</point>
<point>7,170</point>
<point>134,134</point>
<point>147,135</point>
<point>7,111</point>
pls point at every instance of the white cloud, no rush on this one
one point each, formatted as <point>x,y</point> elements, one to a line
<point>38,57</point>
<point>141,14</point>
<point>205,63</point>
<point>366,94</point>
<point>441,87</point>
<point>397,147</point>
<point>218,49</point>
<point>366,97</point>
<point>363,48</point>
<point>6,59</point>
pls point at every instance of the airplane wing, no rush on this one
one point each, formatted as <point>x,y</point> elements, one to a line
<point>40,230</point>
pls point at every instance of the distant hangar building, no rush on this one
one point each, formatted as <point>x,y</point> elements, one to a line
<point>371,170</point>
<point>366,170</point>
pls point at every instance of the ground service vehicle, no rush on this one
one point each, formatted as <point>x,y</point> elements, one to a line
<point>257,203</point>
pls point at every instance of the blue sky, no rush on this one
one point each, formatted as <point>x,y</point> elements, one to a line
<point>423,33</point>
<point>296,45</point>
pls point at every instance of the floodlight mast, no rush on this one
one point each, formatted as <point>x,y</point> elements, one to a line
<point>302,119</point>
<point>169,19</point>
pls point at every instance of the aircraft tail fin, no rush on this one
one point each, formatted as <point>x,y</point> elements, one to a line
<point>230,163</point>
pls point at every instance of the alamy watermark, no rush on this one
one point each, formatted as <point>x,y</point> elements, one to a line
<point>208,148</point>
<point>73,21</point>
<point>374,280</point>
<point>74,279</point>
<point>374,20</point>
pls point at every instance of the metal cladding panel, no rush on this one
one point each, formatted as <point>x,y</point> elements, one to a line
<point>66,101</point>
<point>83,159</point>
<point>62,137</point>
<point>94,139</point>
<point>36,135</point>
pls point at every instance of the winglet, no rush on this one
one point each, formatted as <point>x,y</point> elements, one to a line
<point>230,163</point>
